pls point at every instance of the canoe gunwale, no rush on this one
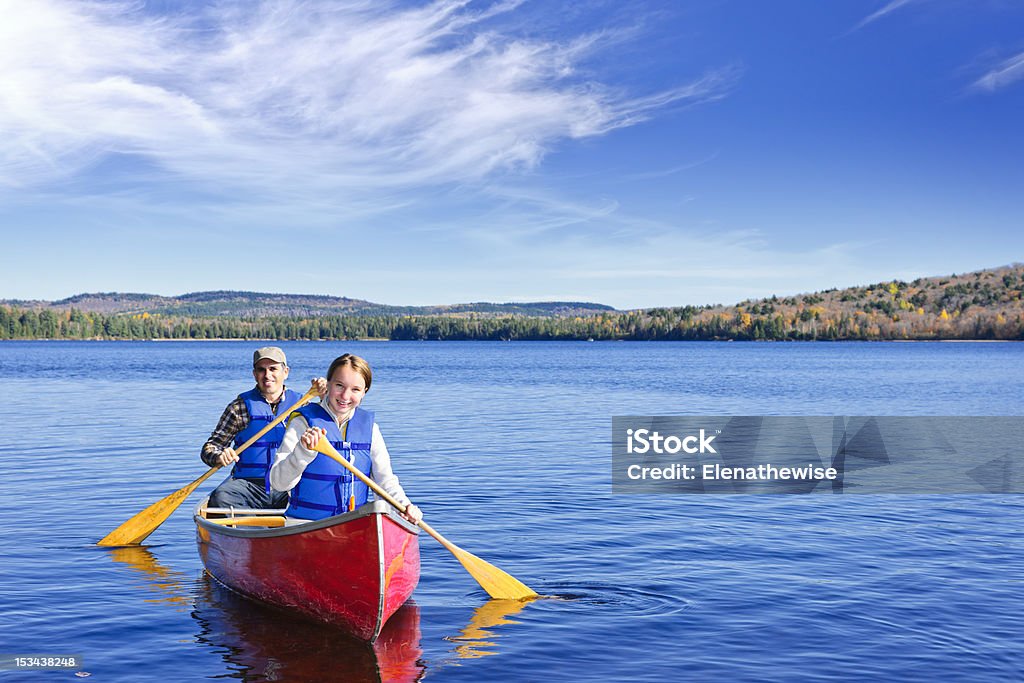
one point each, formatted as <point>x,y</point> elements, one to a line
<point>372,508</point>
<point>380,568</point>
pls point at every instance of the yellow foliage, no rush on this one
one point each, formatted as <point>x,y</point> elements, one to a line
<point>746,319</point>
<point>944,315</point>
<point>920,311</point>
<point>894,289</point>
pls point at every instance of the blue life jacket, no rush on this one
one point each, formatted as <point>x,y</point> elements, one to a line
<point>255,461</point>
<point>325,486</point>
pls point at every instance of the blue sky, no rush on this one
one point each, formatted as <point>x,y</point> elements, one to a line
<point>635,154</point>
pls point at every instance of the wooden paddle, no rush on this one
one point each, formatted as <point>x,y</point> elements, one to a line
<point>497,583</point>
<point>134,530</point>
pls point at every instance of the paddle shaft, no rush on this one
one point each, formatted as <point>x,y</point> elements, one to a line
<point>306,398</point>
<point>324,446</point>
<point>497,583</point>
<point>142,524</point>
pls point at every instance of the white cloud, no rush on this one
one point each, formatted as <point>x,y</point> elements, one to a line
<point>297,101</point>
<point>1001,75</point>
<point>888,8</point>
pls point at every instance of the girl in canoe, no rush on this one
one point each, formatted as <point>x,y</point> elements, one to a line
<point>319,486</point>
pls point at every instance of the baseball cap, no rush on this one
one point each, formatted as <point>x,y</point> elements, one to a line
<point>272,352</point>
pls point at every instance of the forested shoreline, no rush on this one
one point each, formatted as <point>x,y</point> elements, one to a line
<point>983,305</point>
<point>674,324</point>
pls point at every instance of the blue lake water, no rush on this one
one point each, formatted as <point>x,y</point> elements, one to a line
<point>506,447</point>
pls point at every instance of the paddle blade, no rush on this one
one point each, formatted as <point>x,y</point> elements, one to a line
<point>497,583</point>
<point>134,530</point>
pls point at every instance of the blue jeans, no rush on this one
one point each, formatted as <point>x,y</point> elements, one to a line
<point>247,493</point>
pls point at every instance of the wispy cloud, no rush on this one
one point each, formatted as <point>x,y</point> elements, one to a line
<point>1001,75</point>
<point>886,9</point>
<point>664,173</point>
<point>299,101</point>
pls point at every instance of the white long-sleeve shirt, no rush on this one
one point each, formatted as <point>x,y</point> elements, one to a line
<point>293,458</point>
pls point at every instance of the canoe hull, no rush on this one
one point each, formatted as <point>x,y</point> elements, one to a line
<point>352,571</point>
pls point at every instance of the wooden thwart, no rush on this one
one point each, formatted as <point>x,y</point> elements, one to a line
<point>249,521</point>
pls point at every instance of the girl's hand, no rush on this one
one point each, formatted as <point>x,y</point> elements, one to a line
<point>320,383</point>
<point>311,437</point>
<point>412,513</point>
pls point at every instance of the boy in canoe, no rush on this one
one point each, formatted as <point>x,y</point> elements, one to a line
<point>248,485</point>
<point>319,486</point>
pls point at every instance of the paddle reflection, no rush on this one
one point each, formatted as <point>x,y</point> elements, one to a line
<point>169,585</point>
<point>260,644</point>
<point>476,640</point>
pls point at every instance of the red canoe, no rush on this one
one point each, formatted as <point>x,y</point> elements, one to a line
<point>352,570</point>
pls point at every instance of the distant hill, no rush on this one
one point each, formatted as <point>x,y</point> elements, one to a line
<point>984,304</point>
<point>260,305</point>
<point>979,305</point>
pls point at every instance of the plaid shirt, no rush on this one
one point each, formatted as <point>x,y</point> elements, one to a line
<point>234,419</point>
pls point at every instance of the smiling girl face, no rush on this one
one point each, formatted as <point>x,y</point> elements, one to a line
<point>345,390</point>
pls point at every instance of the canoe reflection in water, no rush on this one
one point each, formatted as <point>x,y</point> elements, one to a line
<point>261,644</point>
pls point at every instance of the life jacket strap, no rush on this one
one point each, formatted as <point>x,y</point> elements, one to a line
<point>328,477</point>
<point>333,509</point>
